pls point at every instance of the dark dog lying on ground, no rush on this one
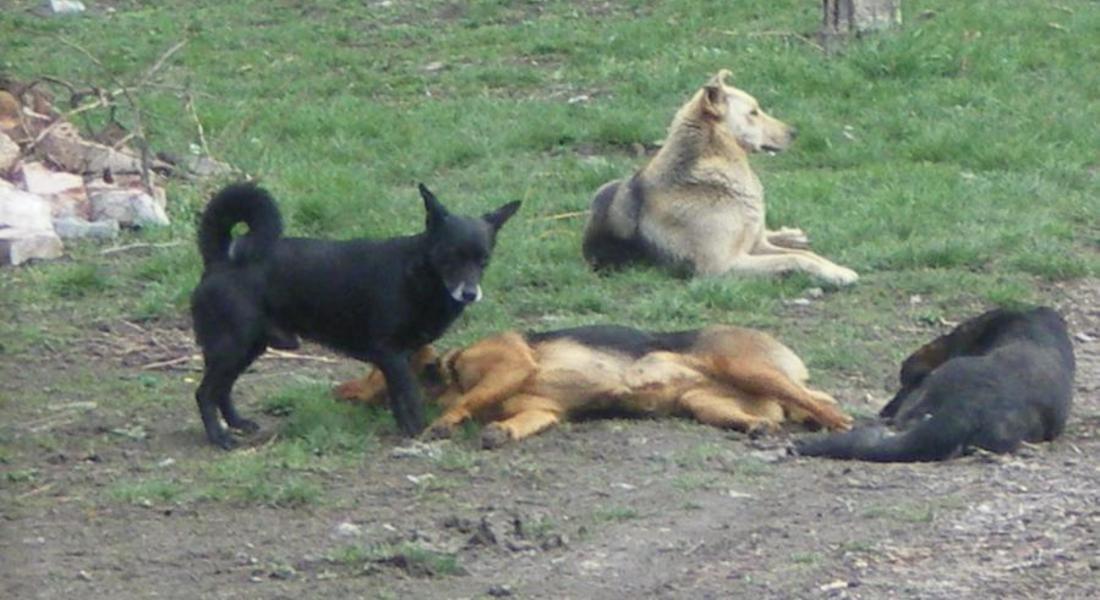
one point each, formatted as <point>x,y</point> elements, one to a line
<point>374,300</point>
<point>522,384</point>
<point>997,380</point>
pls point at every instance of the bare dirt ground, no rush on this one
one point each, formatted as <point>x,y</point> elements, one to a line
<point>603,509</point>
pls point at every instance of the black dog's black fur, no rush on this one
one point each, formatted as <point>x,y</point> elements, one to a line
<point>627,340</point>
<point>999,379</point>
<point>374,300</point>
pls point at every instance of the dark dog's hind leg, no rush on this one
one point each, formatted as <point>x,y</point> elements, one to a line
<point>215,394</point>
<point>404,393</point>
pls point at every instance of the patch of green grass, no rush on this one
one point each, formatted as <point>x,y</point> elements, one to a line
<point>149,491</point>
<point>914,512</point>
<point>694,481</point>
<point>701,455</point>
<point>77,280</point>
<point>317,423</point>
<point>455,458</point>
<point>749,467</point>
<point>20,475</point>
<point>281,477</point>
<point>806,558</point>
<point>616,513</point>
<point>413,558</point>
<point>859,547</point>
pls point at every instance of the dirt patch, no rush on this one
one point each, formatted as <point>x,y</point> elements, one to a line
<point>602,509</point>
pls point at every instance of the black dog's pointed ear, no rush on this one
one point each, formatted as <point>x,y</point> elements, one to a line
<point>436,212</point>
<point>500,216</point>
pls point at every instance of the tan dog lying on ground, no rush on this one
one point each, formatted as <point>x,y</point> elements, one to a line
<point>697,206</point>
<point>522,384</point>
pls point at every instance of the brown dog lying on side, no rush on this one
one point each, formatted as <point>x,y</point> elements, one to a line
<point>523,384</point>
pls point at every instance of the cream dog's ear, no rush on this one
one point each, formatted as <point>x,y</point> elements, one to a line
<point>719,78</point>
<point>713,101</point>
<point>714,95</point>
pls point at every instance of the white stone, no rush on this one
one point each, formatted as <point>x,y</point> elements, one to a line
<point>23,210</point>
<point>65,7</point>
<point>17,246</point>
<point>347,529</point>
<point>64,191</point>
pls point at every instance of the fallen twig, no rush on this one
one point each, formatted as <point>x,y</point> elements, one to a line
<point>294,356</point>
<point>116,249</point>
<point>565,215</point>
<point>278,354</point>
<point>160,364</point>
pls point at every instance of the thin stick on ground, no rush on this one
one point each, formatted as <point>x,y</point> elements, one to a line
<point>139,246</point>
<point>566,215</point>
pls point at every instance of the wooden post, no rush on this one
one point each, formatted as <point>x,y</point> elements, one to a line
<point>845,17</point>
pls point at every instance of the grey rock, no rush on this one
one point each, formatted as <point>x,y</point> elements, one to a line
<point>71,227</point>
<point>129,207</point>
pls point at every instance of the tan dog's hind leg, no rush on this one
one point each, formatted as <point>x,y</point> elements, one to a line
<point>764,381</point>
<point>526,415</point>
<point>371,388</point>
<point>719,410</point>
<point>788,237</point>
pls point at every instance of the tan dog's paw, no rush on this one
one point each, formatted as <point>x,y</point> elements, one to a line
<point>349,391</point>
<point>837,420</point>
<point>437,431</point>
<point>763,427</point>
<point>841,276</point>
<point>495,435</point>
<point>369,390</point>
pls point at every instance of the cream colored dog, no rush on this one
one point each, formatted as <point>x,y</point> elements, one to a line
<point>698,206</point>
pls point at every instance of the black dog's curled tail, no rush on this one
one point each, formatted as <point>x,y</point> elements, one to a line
<point>239,203</point>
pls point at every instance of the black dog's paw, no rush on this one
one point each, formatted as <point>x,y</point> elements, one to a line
<point>245,425</point>
<point>410,427</point>
<point>222,439</point>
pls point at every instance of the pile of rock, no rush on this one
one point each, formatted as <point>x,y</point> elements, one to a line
<point>56,184</point>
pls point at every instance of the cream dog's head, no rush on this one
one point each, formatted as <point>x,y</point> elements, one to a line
<point>754,129</point>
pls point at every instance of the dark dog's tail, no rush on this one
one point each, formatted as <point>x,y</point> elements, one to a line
<point>239,203</point>
<point>939,437</point>
<point>603,249</point>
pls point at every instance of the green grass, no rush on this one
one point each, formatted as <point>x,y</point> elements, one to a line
<point>413,558</point>
<point>953,160</point>
<point>615,514</point>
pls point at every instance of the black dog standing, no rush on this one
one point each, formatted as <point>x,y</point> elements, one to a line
<point>374,300</point>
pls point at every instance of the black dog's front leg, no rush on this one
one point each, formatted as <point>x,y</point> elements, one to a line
<point>404,393</point>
